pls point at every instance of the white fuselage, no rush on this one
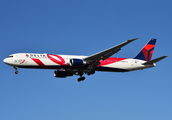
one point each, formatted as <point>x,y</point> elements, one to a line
<point>69,65</point>
<point>53,61</point>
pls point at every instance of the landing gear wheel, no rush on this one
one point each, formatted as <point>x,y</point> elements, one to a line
<point>81,79</point>
<point>15,68</point>
<point>16,72</point>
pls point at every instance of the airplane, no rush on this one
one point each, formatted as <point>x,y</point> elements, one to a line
<point>69,65</point>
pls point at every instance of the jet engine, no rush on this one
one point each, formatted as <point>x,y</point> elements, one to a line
<point>62,74</point>
<point>77,62</point>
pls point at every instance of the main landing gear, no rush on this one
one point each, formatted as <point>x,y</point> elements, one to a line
<point>89,72</point>
<point>16,72</point>
<point>81,76</point>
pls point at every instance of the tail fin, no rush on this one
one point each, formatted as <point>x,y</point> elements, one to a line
<point>147,51</point>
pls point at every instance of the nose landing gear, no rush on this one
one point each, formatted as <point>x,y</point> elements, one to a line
<point>16,72</point>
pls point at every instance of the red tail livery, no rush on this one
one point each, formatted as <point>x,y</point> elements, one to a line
<point>147,51</point>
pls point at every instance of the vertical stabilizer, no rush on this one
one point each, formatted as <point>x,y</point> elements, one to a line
<point>147,51</point>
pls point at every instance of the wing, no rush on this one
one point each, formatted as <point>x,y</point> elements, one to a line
<point>94,59</point>
<point>108,52</point>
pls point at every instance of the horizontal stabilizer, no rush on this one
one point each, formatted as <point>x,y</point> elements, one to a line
<point>155,60</point>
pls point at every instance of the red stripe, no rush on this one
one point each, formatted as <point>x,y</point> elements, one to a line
<point>22,61</point>
<point>146,49</point>
<point>39,62</point>
<point>61,62</point>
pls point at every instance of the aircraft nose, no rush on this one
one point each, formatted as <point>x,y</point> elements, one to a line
<point>5,60</point>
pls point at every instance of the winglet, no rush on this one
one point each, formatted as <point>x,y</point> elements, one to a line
<point>132,39</point>
<point>155,60</point>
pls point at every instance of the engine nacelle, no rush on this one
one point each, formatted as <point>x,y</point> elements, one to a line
<point>62,74</point>
<point>77,62</point>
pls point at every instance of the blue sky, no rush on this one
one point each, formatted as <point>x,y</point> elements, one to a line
<point>84,28</point>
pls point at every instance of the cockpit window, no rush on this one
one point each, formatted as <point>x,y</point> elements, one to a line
<point>9,56</point>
